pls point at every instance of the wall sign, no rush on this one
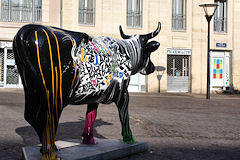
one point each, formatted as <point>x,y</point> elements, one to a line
<point>224,45</point>
<point>4,44</point>
<point>173,51</point>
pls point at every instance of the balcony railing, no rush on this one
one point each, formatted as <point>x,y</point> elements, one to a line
<point>178,22</point>
<point>20,13</point>
<point>86,16</point>
<point>220,24</point>
<point>134,19</point>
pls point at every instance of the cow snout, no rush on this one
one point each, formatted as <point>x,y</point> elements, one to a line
<point>152,46</point>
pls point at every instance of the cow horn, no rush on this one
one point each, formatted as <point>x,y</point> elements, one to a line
<point>153,34</point>
<point>124,36</point>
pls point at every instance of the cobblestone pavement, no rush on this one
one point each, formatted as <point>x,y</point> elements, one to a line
<point>176,126</point>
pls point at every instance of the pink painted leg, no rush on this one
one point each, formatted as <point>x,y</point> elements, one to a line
<point>88,128</point>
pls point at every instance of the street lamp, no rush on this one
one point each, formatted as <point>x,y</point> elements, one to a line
<point>209,10</point>
<point>160,70</point>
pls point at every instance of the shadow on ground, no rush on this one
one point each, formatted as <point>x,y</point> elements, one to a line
<point>67,130</point>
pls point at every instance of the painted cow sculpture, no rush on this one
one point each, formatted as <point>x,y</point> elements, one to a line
<point>60,67</point>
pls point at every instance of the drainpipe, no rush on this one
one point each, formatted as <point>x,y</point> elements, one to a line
<point>61,14</point>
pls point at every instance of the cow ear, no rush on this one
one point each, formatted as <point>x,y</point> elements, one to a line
<point>152,46</point>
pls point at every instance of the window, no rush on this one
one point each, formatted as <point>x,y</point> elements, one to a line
<point>86,12</point>
<point>134,13</point>
<point>220,16</point>
<point>179,15</point>
<point>21,10</point>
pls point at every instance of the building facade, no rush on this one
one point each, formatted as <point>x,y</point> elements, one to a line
<point>183,37</point>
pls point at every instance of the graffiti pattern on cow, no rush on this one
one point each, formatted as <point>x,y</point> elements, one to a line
<point>99,61</point>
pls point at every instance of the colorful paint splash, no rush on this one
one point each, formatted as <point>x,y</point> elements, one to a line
<point>217,69</point>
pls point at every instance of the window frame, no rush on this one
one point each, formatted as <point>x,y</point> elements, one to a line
<point>176,21</point>
<point>21,9</point>
<point>132,16</point>
<point>222,20</point>
<point>84,12</point>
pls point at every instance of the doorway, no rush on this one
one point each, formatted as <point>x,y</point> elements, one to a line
<point>178,71</point>
<point>220,69</point>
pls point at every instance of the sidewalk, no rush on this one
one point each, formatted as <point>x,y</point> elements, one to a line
<point>176,126</point>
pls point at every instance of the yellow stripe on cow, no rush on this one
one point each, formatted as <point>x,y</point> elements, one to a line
<point>84,58</point>
<point>75,72</point>
<point>47,94</point>
<point>51,60</point>
<point>61,31</point>
<point>72,41</point>
<point>39,63</point>
<point>56,97</point>
<point>106,49</point>
<point>60,69</point>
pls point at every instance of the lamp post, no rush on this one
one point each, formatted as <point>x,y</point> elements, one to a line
<point>209,10</point>
<point>160,70</point>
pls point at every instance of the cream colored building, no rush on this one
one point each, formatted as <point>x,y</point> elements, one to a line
<point>183,37</point>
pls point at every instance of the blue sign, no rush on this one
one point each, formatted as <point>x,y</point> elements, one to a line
<point>224,45</point>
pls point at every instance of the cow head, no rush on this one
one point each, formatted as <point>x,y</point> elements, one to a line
<point>145,65</point>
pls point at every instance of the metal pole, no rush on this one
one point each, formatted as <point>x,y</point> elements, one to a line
<point>159,86</point>
<point>159,79</point>
<point>208,64</point>
<point>208,57</point>
<point>208,18</point>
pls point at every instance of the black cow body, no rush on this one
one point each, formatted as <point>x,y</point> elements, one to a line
<point>60,67</point>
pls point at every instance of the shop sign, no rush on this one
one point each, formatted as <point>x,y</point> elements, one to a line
<point>5,44</point>
<point>173,51</point>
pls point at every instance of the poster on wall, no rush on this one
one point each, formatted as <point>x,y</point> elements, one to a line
<point>220,69</point>
<point>217,71</point>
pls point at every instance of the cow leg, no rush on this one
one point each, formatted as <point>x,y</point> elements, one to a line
<point>51,113</point>
<point>89,122</point>
<point>48,145</point>
<point>48,136</point>
<point>44,121</point>
<point>122,105</point>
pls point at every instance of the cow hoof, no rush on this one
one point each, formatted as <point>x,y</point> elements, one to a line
<point>89,141</point>
<point>92,141</point>
<point>56,149</point>
<point>129,140</point>
<point>50,156</point>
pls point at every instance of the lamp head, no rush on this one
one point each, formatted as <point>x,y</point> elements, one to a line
<point>209,8</point>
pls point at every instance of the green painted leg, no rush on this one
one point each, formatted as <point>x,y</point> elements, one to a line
<point>124,118</point>
<point>127,133</point>
<point>129,138</point>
